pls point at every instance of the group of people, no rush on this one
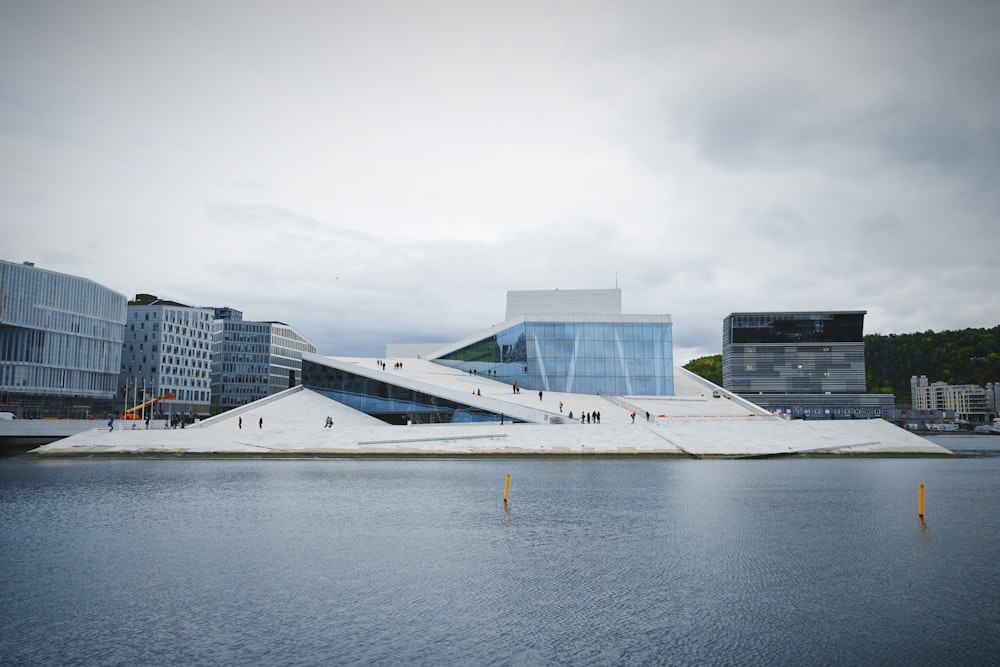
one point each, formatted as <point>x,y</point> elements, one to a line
<point>329,423</point>
<point>397,365</point>
<point>177,421</point>
<point>473,371</point>
<point>589,417</point>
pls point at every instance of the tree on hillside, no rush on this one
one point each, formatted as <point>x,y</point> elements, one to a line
<point>709,368</point>
<point>968,356</point>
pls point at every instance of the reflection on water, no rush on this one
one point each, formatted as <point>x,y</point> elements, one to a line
<point>817,561</point>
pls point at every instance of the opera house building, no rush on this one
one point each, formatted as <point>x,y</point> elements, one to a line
<point>566,373</point>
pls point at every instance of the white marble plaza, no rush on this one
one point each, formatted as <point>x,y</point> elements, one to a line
<point>693,422</point>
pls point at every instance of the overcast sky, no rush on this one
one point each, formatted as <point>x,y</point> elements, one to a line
<point>374,172</point>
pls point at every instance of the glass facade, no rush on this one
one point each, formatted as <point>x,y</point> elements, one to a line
<point>60,343</point>
<point>391,403</point>
<point>778,353</point>
<point>795,327</point>
<point>617,357</point>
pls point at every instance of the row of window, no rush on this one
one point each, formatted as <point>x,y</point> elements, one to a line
<point>14,377</point>
<point>876,412</point>
<point>39,299</point>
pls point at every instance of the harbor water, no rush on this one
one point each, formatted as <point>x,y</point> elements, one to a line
<point>801,561</point>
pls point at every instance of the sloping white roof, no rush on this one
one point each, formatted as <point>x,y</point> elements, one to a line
<point>693,422</point>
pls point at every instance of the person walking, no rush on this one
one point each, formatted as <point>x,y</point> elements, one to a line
<point>241,422</point>
<point>111,424</point>
<point>539,394</point>
<point>260,423</point>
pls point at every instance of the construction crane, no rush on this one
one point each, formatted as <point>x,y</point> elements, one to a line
<point>135,412</point>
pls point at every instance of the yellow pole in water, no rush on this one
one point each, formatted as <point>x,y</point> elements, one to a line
<point>506,487</point>
<point>920,505</point>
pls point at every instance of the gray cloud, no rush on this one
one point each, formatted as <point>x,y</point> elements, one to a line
<point>387,172</point>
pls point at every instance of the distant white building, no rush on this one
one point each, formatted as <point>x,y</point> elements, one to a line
<point>969,402</point>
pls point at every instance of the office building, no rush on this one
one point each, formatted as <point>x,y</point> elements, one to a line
<point>251,360</point>
<point>60,343</point>
<point>166,357</point>
<point>808,365</point>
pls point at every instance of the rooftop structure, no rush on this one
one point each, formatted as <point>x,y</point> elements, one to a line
<point>693,423</point>
<point>572,341</point>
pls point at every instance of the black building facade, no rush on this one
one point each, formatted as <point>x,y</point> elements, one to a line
<point>800,364</point>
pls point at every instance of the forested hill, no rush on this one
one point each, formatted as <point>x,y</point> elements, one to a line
<point>968,356</point>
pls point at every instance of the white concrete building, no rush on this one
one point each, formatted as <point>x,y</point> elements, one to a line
<point>969,402</point>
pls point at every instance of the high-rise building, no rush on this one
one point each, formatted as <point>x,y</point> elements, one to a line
<point>166,357</point>
<point>251,360</point>
<point>60,343</point>
<point>800,364</point>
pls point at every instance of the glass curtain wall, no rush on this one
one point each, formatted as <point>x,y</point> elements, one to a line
<point>391,403</point>
<point>60,343</point>
<point>619,358</point>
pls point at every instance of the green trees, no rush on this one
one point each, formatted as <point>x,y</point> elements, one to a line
<point>709,368</point>
<point>967,356</point>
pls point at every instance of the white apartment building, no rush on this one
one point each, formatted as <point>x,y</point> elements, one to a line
<point>969,402</point>
<point>167,350</point>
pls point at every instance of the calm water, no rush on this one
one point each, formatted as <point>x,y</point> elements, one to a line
<point>309,562</point>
